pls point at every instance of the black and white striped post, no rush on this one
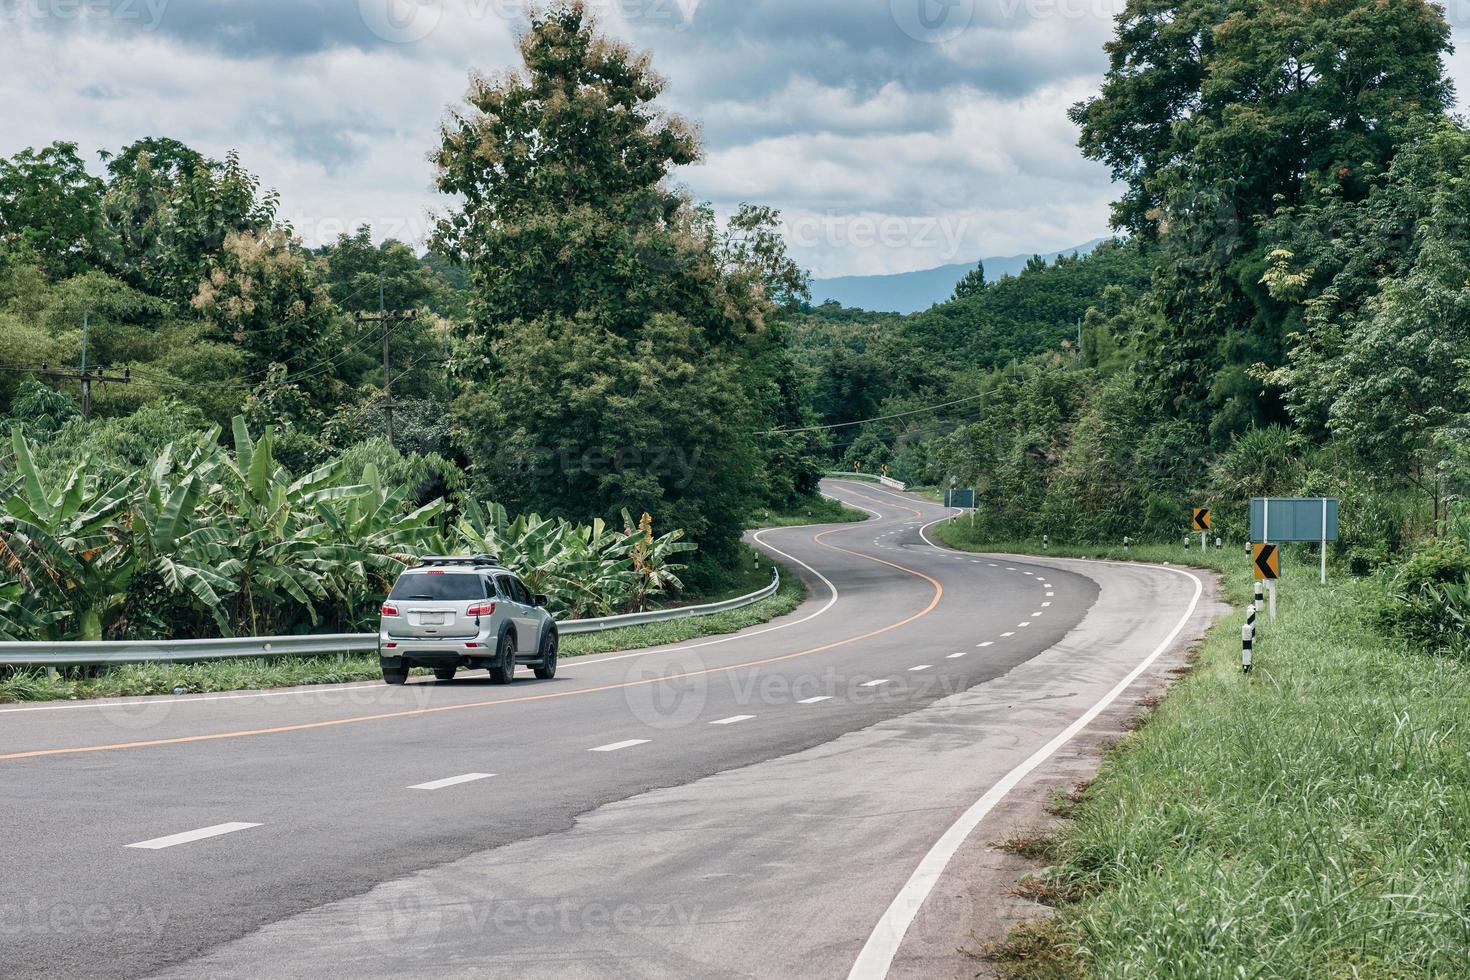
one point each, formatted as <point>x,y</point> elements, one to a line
<point>1045,542</point>
<point>1260,599</point>
<point>1125,542</point>
<point>1219,543</point>
<point>1247,639</point>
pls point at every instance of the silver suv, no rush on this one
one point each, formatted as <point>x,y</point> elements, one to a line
<point>453,612</point>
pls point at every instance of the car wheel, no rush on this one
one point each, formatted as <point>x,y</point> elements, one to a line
<point>444,673</point>
<point>395,676</point>
<point>504,670</point>
<point>546,670</point>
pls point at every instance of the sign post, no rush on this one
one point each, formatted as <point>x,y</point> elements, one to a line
<point>1279,519</point>
<point>1201,521</point>
<point>1323,580</point>
<point>1267,566</point>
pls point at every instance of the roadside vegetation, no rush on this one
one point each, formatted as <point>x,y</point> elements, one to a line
<point>813,510</point>
<point>644,383</point>
<point>128,680</point>
<point>1311,818</point>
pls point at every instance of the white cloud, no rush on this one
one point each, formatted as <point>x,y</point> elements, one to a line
<point>832,110</point>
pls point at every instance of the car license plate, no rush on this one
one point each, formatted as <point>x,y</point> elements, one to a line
<point>433,619</point>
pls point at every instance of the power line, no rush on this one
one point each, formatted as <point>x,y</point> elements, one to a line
<point>387,320</point>
<point>878,418</point>
<point>85,376</point>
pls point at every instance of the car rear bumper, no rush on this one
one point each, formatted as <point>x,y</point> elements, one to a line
<point>397,652</point>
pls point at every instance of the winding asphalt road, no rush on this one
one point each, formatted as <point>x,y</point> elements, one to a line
<point>779,802</point>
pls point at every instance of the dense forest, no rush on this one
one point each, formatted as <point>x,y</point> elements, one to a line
<point>1285,309</point>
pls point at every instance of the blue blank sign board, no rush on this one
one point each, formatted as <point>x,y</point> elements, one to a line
<point>1293,519</point>
<point>959,498</point>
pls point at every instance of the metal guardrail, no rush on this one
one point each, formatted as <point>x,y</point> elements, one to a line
<point>895,484</point>
<point>573,626</point>
<point>66,653</point>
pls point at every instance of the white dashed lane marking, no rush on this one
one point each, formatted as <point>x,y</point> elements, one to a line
<point>921,667</point>
<point>190,836</point>
<point>956,656</point>
<point>732,719</point>
<point>987,643</point>
<point>875,683</point>
<point>615,746</point>
<point>1008,634</point>
<point>468,777</point>
<point>823,697</point>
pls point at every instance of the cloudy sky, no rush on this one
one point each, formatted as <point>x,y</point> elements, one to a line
<point>892,134</point>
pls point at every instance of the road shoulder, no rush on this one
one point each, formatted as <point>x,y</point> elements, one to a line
<point>980,898</point>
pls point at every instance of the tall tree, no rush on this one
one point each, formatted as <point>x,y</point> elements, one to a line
<point>1213,114</point>
<point>645,319</point>
<point>50,202</point>
<point>169,209</point>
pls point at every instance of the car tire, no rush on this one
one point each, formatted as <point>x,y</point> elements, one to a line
<point>444,673</point>
<point>504,669</point>
<point>546,669</point>
<point>395,676</point>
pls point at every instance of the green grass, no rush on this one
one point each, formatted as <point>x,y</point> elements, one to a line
<point>817,510</point>
<point>1311,819</point>
<point>259,674</point>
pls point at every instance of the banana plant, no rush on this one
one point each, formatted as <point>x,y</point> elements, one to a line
<point>381,533</point>
<point>175,535</point>
<point>65,546</point>
<point>280,556</point>
<point>655,573</point>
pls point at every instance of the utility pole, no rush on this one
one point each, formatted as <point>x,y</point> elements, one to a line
<point>86,376</point>
<point>387,319</point>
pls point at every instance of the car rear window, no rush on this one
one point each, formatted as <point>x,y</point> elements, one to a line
<point>439,587</point>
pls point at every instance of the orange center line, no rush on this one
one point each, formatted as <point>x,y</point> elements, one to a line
<point>414,712</point>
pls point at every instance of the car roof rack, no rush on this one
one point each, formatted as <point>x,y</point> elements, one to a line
<point>459,560</point>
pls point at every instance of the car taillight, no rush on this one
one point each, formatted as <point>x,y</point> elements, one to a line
<point>481,609</point>
<point>389,609</point>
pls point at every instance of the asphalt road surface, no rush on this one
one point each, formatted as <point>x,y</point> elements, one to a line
<point>773,803</point>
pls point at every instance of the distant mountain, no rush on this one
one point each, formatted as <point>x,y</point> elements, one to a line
<point>909,292</point>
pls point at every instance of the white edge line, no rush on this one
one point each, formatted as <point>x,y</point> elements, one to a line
<point>468,777</point>
<point>189,836</point>
<point>882,945</point>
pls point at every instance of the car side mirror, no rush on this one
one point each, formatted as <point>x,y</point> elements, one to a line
<point>542,600</point>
